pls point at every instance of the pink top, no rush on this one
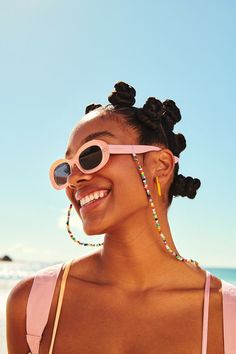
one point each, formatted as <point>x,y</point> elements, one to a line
<point>39,303</point>
<point>41,295</point>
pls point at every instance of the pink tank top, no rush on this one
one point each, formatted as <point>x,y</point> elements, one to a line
<point>43,287</point>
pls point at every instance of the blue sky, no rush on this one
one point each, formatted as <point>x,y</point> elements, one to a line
<point>59,56</point>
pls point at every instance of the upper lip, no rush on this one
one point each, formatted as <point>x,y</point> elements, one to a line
<point>81,193</point>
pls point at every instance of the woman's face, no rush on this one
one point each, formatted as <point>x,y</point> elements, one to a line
<point>120,175</point>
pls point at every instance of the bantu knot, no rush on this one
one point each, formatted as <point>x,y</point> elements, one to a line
<point>150,113</point>
<point>180,143</point>
<point>186,186</point>
<point>171,113</point>
<point>123,95</point>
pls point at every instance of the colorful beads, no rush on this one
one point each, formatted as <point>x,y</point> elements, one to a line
<point>178,257</point>
<point>73,238</point>
<point>142,175</point>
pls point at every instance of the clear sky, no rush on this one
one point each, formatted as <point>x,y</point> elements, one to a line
<point>59,56</point>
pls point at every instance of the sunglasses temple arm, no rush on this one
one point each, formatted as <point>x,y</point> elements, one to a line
<point>128,149</point>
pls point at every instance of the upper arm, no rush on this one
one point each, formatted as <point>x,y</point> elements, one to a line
<point>16,317</point>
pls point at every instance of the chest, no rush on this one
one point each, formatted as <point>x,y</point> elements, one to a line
<point>100,321</point>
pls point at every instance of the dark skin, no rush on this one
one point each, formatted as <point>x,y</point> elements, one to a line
<point>133,296</point>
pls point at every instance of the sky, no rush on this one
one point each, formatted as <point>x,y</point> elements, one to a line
<point>59,56</point>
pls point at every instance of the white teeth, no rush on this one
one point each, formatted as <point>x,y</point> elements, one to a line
<point>92,196</point>
<point>96,194</point>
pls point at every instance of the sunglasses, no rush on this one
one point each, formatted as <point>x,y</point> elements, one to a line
<point>90,158</point>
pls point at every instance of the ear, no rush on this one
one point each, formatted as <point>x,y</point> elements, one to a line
<point>161,164</point>
<point>165,163</point>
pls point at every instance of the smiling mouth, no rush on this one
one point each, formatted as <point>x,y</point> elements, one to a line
<point>93,203</point>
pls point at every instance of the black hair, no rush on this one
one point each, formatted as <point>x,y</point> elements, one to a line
<point>154,123</point>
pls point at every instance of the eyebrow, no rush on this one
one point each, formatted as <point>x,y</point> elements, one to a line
<point>93,136</point>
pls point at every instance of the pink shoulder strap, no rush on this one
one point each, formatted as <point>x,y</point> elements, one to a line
<point>39,303</point>
<point>206,312</point>
<point>229,317</point>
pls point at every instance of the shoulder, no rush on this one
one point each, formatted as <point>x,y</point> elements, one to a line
<point>17,299</point>
<point>16,310</point>
<point>16,316</point>
<point>19,295</point>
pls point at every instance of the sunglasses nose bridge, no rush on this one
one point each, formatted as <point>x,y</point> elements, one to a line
<point>76,175</point>
<point>74,169</point>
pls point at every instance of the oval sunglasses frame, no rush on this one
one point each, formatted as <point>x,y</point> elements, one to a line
<point>107,150</point>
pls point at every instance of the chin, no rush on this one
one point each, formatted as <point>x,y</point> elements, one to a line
<point>92,230</point>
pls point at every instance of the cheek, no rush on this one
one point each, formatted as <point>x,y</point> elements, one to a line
<point>128,189</point>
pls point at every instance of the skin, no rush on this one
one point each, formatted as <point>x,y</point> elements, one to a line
<point>132,270</point>
<point>133,256</point>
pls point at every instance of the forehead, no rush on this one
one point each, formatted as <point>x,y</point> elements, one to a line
<point>97,127</point>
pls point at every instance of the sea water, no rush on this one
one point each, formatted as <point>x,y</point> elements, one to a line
<point>12,272</point>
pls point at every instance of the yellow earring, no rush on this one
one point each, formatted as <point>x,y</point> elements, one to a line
<point>158,187</point>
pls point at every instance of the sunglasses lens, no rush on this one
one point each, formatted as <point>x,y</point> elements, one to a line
<point>61,173</point>
<point>90,157</point>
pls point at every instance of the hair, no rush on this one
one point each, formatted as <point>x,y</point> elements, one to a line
<point>154,124</point>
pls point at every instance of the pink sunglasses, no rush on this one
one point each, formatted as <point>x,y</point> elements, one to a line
<point>90,158</point>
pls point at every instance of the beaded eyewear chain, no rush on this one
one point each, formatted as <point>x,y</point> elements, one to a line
<point>141,172</point>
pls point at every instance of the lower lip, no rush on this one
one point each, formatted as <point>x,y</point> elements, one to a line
<point>93,205</point>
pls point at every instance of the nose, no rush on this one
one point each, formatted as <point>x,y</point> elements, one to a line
<point>76,176</point>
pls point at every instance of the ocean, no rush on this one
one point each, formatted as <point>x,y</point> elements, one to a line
<point>12,272</point>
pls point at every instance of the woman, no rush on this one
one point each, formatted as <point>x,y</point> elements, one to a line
<point>136,294</point>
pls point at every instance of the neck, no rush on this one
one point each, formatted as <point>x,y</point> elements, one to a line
<point>134,256</point>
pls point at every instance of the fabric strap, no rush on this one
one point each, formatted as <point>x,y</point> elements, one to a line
<point>59,305</point>
<point>206,312</point>
<point>39,303</point>
<point>229,315</point>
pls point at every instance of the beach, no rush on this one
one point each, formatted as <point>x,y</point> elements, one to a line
<point>12,272</point>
